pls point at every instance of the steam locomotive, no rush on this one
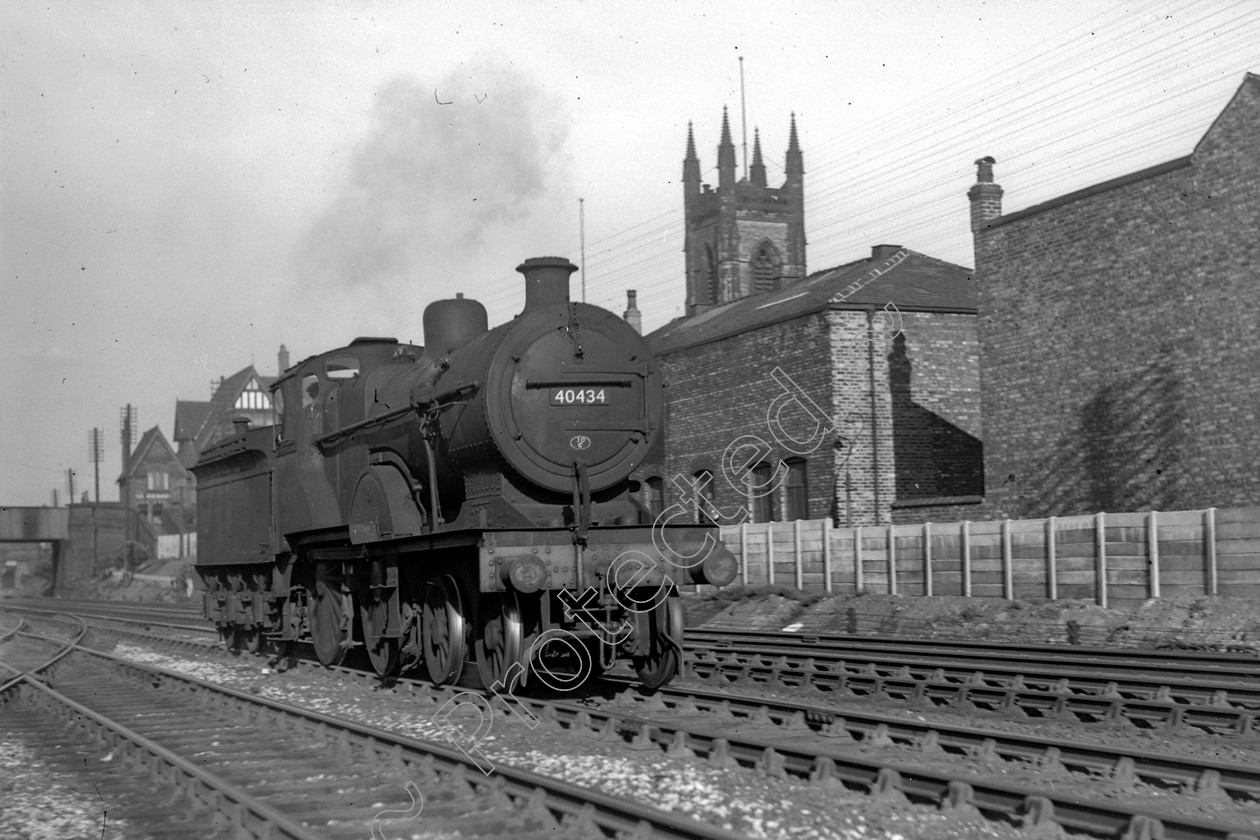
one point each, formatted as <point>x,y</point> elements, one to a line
<point>464,506</point>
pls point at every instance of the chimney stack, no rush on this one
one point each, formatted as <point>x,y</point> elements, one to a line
<point>985,196</point>
<point>282,359</point>
<point>632,315</point>
<point>546,281</point>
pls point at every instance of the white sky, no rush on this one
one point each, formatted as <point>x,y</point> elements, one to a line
<point>187,185</point>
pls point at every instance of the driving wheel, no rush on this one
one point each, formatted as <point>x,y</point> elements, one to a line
<point>500,641</point>
<point>442,630</point>
<point>662,663</point>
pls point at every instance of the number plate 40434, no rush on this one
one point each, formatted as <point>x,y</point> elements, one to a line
<point>578,396</point>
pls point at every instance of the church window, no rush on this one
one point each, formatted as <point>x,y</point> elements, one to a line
<point>767,268</point>
<point>711,276</point>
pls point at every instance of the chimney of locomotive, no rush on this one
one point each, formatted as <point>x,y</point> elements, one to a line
<point>546,281</point>
<point>632,315</point>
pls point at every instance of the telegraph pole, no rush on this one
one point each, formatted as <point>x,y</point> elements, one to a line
<point>96,452</point>
<point>127,420</point>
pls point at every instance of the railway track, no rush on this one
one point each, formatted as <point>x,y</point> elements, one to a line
<point>809,741</point>
<point>1222,696</point>
<point>1205,665</point>
<point>275,767</point>
<point>1167,771</point>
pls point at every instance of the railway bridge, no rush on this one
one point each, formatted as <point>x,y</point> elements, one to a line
<point>37,525</point>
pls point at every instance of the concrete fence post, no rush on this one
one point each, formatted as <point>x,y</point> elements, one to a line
<point>769,555</point>
<point>1152,550</point>
<point>857,560</point>
<point>892,561</point>
<point>966,558</point>
<point>800,561</point>
<point>826,542</point>
<point>1008,581</point>
<point>1100,556</point>
<point>927,559</point>
<point>743,553</point>
<point>1052,564</point>
<point>1209,536</point>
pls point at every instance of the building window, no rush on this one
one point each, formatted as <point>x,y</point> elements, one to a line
<point>704,488</point>
<point>767,268</point>
<point>654,495</point>
<point>763,506</point>
<point>797,506</point>
<point>253,398</point>
<point>159,481</point>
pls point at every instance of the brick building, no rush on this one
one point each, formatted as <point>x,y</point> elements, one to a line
<point>1120,334</point>
<point>157,490</point>
<point>851,392</point>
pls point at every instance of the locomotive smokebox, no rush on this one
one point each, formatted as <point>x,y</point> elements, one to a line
<point>546,281</point>
<point>450,324</point>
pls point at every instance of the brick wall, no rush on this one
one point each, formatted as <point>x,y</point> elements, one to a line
<point>1119,337</point>
<point>901,391</point>
<point>722,390</point>
<point>934,380</point>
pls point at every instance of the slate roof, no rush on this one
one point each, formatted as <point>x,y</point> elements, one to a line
<point>911,281</point>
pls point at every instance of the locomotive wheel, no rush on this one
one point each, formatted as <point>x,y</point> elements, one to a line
<point>662,664</point>
<point>442,631</point>
<point>330,624</point>
<point>227,633</point>
<point>382,651</point>
<point>500,640</point>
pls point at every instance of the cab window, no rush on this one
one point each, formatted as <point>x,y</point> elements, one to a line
<point>342,367</point>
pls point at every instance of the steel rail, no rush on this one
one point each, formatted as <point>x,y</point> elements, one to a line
<point>830,640</point>
<point>120,616</point>
<point>247,813</point>
<point>1241,693</point>
<point>808,757</point>
<point>12,631</point>
<point>1018,802</point>
<point>1195,663</point>
<point>1237,779</point>
<point>1057,702</point>
<point>569,802</point>
<point>67,647</point>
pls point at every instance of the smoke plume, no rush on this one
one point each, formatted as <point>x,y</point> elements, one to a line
<point>451,176</point>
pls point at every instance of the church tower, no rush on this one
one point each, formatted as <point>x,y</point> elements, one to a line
<point>744,238</point>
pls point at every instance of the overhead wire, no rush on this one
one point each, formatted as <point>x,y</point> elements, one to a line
<point>849,187</point>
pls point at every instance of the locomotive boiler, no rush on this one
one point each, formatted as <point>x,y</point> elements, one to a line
<point>464,506</point>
